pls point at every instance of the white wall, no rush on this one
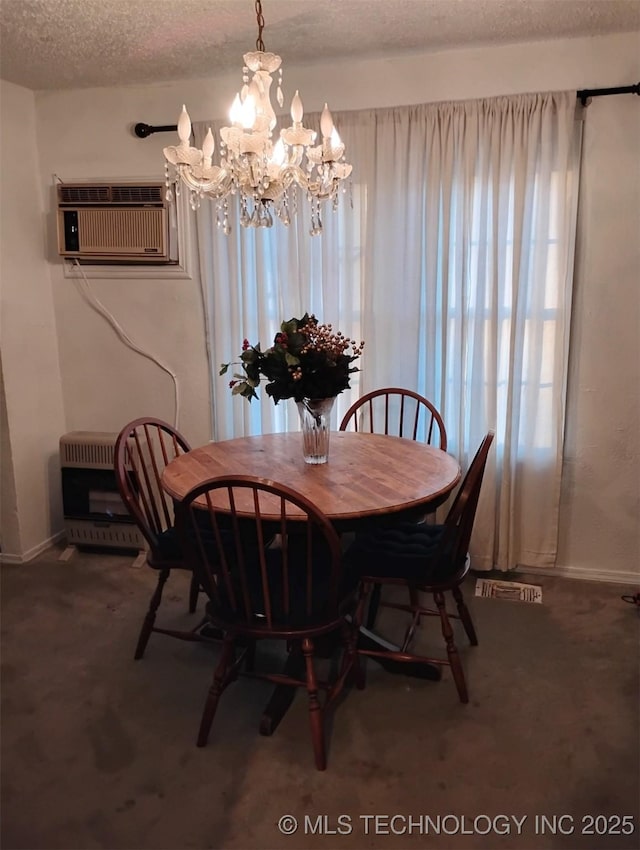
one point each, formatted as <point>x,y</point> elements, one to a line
<point>87,134</point>
<point>33,401</point>
<point>600,518</point>
<point>9,522</point>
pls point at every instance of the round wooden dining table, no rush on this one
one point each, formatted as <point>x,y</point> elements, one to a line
<point>366,476</point>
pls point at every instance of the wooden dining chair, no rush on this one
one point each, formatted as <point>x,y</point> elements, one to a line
<point>142,450</point>
<point>293,590</point>
<point>399,413</point>
<point>429,559</point>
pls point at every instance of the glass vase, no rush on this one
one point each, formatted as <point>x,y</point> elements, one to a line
<point>315,416</point>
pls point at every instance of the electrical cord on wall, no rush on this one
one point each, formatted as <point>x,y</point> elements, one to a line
<point>99,307</point>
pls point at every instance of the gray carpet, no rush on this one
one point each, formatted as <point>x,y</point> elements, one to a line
<point>98,751</point>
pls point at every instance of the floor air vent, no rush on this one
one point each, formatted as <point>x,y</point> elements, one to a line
<point>511,590</point>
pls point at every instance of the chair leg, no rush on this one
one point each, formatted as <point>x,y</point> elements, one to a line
<point>194,590</point>
<point>316,717</point>
<point>465,616</point>
<point>150,617</point>
<point>452,652</point>
<point>220,682</point>
<point>351,669</point>
<point>374,604</point>
<point>360,677</point>
<point>357,661</point>
<point>414,599</point>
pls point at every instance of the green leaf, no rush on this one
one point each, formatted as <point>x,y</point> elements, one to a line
<point>297,341</point>
<point>239,389</point>
<point>249,393</point>
<point>223,368</point>
<point>291,359</point>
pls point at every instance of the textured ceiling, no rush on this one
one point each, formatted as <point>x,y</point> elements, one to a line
<point>51,44</point>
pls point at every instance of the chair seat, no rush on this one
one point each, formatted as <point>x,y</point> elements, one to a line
<point>169,547</point>
<point>404,552</point>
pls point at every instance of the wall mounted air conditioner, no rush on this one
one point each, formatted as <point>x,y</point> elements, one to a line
<point>113,222</point>
<point>94,513</point>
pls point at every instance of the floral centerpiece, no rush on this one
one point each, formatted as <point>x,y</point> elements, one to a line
<point>307,360</point>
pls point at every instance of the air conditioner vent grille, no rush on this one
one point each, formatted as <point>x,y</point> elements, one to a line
<point>70,194</point>
<point>137,195</point>
<point>125,230</point>
<point>107,193</point>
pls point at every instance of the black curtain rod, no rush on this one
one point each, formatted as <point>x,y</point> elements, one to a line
<point>144,130</point>
<point>585,94</point>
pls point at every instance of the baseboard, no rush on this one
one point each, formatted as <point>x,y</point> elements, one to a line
<point>30,554</point>
<point>611,576</point>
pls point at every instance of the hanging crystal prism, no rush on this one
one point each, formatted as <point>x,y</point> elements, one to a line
<point>279,95</point>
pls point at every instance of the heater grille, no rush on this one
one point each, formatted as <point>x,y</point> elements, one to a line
<point>88,449</point>
<point>115,535</point>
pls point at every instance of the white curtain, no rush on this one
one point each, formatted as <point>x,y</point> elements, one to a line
<point>455,266</point>
<point>254,279</point>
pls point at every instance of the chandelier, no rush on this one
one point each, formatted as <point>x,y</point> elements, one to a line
<point>265,175</point>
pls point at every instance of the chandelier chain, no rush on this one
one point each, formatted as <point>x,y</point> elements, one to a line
<point>260,20</point>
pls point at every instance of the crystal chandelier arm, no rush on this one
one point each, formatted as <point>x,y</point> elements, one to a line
<point>215,181</point>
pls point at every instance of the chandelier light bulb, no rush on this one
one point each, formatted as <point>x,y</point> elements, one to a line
<point>184,126</point>
<point>248,112</point>
<point>208,147</point>
<point>296,108</point>
<point>326,123</point>
<point>235,113</point>
<point>265,167</point>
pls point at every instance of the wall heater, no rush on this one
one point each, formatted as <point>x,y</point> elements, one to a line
<point>94,513</point>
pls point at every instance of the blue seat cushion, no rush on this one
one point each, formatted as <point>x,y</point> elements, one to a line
<point>408,551</point>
